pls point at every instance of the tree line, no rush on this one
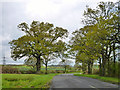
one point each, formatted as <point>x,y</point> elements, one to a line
<point>98,40</point>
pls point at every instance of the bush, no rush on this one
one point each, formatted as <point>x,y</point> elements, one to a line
<point>95,71</point>
<point>52,71</point>
<point>41,72</point>
<point>10,69</point>
<point>28,72</point>
<point>59,71</point>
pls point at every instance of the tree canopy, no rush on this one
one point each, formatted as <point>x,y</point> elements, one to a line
<point>40,39</point>
<point>99,37</point>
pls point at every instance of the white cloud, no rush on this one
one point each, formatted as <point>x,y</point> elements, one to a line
<point>63,13</point>
<point>42,8</point>
<point>5,37</point>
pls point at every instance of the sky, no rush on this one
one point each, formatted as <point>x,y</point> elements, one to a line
<point>62,13</point>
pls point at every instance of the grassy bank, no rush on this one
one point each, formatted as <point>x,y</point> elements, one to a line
<point>26,80</point>
<point>106,79</point>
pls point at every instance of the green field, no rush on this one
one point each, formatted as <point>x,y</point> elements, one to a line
<point>106,79</point>
<point>26,80</point>
<point>25,67</point>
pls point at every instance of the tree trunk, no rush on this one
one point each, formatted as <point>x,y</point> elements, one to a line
<point>65,68</point>
<point>108,57</point>
<point>108,67</point>
<point>114,58</point>
<point>46,68</point>
<point>100,68</point>
<point>89,70</point>
<point>38,64</point>
<point>91,66</point>
<point>103,64</point>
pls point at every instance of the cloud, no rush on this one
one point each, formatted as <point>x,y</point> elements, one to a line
<point>62,13</point>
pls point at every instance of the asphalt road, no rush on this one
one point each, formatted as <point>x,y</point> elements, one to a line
<point>68,81</point>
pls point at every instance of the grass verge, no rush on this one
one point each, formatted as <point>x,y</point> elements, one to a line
<point>26,80</point>
<point>106,79</point>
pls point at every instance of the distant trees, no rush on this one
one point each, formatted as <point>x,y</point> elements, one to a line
<point>40,39</point>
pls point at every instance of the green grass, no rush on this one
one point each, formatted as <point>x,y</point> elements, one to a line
<point>26,80</point>
<point>0,81</point>
<point>106,79</point>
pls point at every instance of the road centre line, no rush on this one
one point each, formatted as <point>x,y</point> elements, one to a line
<point>93,87</point>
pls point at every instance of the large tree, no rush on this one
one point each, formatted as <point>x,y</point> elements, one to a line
<point>40,39</point>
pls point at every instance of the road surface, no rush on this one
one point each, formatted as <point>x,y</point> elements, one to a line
<point>71,82</point>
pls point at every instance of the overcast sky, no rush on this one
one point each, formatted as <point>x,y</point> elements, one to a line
<point>61,13</point>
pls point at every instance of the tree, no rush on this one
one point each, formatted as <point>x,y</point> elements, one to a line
<point>63,54</point>
<point>39,38</point>
<point>84,47</point>
<point>65,63</point>
<point>31,61</point>
<point>77,66</point>
<point>47,59</point>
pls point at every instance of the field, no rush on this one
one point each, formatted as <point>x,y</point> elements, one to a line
<point>42,68</point>
<point>26,80</point>
<point>24,69</point>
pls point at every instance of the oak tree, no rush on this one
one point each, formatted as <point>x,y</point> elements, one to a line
<point>39,38</point>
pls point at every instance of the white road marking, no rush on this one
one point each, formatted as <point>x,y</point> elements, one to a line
<point>93,87</point>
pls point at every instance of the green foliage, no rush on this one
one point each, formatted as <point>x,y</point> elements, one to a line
<point>84,68</point>
<point>112,68</point>
<point>40,39</point>
<point>98,39</point>
<point>31,61</point>
<point>96,71</point>
<point>78,67</point>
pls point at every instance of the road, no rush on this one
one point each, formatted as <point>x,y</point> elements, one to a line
<point>71,82</point>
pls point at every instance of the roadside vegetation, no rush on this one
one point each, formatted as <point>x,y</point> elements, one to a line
<point>113,80</point>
